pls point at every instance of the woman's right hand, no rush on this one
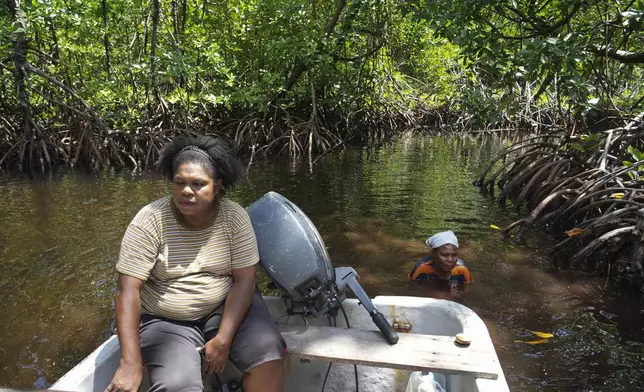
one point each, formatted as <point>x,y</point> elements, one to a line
<point>127,378</point>
<point>128,316</point>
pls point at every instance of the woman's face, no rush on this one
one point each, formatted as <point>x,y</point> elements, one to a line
<point>194,189</point>
<point>445,257</point>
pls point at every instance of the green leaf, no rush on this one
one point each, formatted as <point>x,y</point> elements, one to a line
<point>577,147</point>
<point>557,51</point>
<point>635,153</point>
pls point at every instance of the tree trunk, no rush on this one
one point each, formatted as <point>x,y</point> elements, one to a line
<point>177,34</point>
<point>146,34</point>
<point>19,57</point>
<point>203,10</point>
<point>79,71</point>
<point>175,18</point>
<point>3,90</point>
<point>184,10</point>
<point>201,21</point>
<point>153,44</point>
<point>54,38</point>
<point>336,16</point>
<point>106,37</point>
<point>300,66</point>
<point>39,50</point>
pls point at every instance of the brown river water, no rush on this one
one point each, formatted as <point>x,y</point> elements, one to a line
<point>60,236</point>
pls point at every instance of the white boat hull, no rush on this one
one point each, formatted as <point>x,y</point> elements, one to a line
<point>425,315</point>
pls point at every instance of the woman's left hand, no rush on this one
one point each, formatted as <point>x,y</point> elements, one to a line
<point>215,355</point>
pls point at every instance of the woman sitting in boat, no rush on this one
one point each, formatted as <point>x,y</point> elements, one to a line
<point>187,282</point>
<point>443,263</point>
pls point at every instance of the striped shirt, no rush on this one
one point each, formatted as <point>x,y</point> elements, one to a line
<point>187,273</point>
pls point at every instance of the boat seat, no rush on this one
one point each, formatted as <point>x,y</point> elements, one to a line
<point>413,352</point>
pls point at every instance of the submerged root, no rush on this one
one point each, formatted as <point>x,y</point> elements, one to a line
<point>591,199</point>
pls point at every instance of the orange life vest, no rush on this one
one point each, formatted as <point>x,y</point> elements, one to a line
<point>424,270</point>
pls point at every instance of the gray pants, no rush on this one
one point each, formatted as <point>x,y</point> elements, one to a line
<point>169,348</point>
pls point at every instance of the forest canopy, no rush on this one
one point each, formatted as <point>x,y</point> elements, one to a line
<point>104,82</point>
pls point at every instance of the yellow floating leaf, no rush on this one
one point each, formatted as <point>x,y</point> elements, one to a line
<point>543,335</point>
<point>575,231</point>
<point>540,341</point>
<point>495,227</point>
<point>619,195</point>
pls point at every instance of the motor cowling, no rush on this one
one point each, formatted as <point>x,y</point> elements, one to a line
<point>291,250</point>
<point>295,258</point>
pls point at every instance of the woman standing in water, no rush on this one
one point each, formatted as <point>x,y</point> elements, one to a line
<point>443,263</point>
<point>187,281</point>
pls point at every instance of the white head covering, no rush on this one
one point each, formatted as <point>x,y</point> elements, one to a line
<point>442,238</point>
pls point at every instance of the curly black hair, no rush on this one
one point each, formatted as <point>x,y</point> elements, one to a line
<point>219,157</point>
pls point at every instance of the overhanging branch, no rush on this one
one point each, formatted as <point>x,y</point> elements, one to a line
<point>616,54</point>
<point>362,56</point>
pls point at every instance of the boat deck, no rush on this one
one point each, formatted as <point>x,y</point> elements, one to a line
<point>413,352</point>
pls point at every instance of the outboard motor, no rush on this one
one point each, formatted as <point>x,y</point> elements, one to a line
<point>295,258</point>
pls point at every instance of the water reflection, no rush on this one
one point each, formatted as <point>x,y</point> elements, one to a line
<point>59,239</point>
